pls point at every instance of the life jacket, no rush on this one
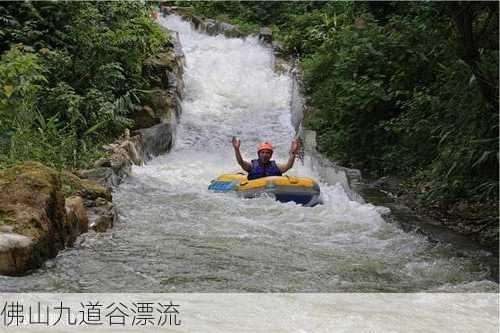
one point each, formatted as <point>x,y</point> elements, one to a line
<point>259,171</point>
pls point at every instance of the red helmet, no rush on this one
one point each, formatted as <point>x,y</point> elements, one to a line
<point>265,145</point>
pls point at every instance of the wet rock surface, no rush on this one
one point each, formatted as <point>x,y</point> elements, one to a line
<point>473,221</point>
<point>144,117</point>
<point>16,253</point>
<point>76,221</point>
<point>34,220</point>
<point>156,140</point>
<point>43,211</point>
<point>102,215</point>
<point>266,35</point>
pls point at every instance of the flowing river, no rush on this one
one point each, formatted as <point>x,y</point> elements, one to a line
<point>176,236</point>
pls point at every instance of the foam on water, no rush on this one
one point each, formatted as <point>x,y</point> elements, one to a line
<point>176,236</point>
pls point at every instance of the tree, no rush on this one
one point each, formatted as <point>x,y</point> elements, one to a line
<point>477,27</point>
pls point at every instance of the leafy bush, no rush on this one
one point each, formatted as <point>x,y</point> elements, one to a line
<point>71,78</point>
<point>347,80</point>
<point>398,99</point>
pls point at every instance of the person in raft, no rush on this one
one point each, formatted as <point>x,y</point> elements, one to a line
<point>264,166</point>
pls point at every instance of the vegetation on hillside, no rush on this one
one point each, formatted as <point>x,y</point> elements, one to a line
<point>70,72</point>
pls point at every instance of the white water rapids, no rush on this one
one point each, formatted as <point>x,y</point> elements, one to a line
<point>176,236</point>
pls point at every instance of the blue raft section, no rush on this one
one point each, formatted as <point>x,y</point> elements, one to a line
<point>302,191</point>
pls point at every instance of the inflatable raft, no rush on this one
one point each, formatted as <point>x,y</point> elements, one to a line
<point>301,190</point>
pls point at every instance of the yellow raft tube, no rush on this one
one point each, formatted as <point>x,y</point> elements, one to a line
<point>301,190</point>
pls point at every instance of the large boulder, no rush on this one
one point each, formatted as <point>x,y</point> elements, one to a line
<point>103,175</point>
<point>32,216</point>
<point>157,139</point>
<point>72,185</point>
<point>113,169</point>
<point>196,22</point>
<point>36,220</point>
<point>88,207</point>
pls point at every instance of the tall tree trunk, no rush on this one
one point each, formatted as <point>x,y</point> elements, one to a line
<point>463,14</point>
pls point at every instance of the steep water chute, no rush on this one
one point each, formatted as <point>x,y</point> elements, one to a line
<point>175,235</point>
<point>261,244</point>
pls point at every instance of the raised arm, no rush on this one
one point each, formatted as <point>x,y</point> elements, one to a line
<point>244,164</point>
<point>294,148</point>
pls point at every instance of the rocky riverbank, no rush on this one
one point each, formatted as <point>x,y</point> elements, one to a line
<point>43,211</point>
<point>475,221</point>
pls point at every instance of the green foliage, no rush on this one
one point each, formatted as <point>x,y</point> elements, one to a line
<point>398,99</point>
<point>301,25</point>
<point>20,77</point>
<point>303,33</point>
<point>71,78</point>
<point>405,88</point>
<point>347,79</point>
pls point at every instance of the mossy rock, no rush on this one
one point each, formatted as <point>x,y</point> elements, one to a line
<point>157,67</point>
<point>163,59</point>
<point>6,218</point>
<point>29,173</point>
<point>32,205</point>
<point>73,185</point>
<point>32,208</point>
<point>33,228</point>
<point>31,184</point>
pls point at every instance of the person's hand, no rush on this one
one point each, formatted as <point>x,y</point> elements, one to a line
<point>294,148</point>
<point>236,142</point>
